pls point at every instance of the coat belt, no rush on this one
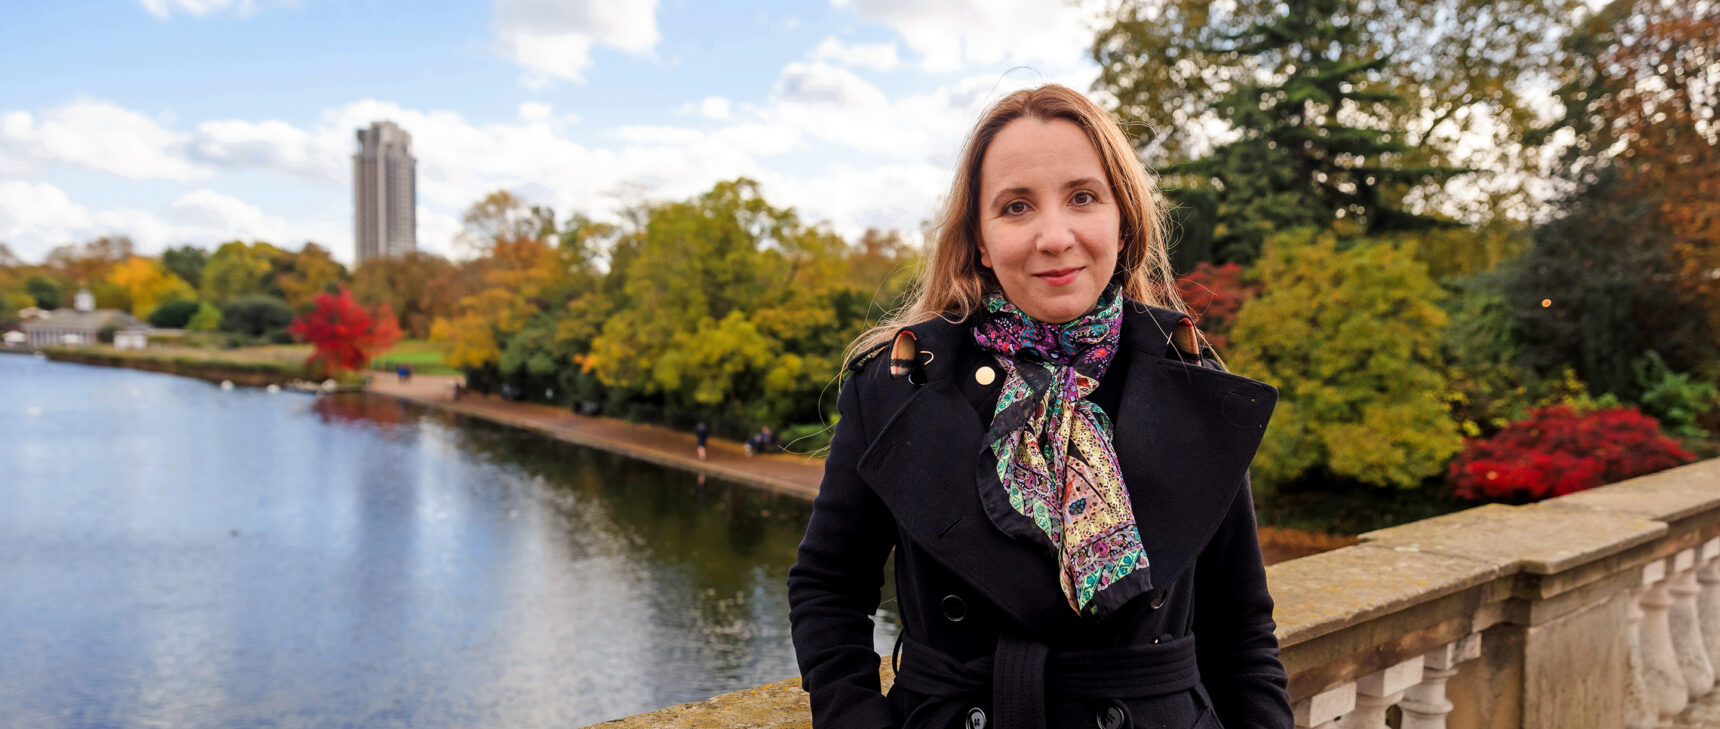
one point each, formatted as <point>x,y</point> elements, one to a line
<point>1021,672</point>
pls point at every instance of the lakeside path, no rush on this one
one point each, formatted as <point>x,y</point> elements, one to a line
<point>795,475</point>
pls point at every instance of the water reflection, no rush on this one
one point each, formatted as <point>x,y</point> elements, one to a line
<point>178,555</point>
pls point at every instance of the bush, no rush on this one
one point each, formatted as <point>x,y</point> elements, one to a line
<point>1560,450</point>
<point>174,314</point>
<point>1677,400</point>
<point>256,315</point>
<point>207,318</point>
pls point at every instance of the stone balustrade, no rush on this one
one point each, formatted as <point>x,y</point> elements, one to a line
<point>1598,609</point>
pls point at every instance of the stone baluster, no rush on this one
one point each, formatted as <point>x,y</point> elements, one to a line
<point>1378,691</point>
<point>1424,705</point>
<point>1686,631</point>
<point>1659,659</point>
<point>1322,710</point>
<point>1708,603</point>
<point>1640,709</point>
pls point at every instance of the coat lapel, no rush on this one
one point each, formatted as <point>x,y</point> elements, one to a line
<point>1184,435</point>
<point>922,467</point>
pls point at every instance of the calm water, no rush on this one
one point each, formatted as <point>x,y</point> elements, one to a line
<point>172,555</point>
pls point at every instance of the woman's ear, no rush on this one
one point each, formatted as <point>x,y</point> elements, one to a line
<point>984,256</point>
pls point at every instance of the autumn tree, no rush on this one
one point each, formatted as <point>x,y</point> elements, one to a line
<point>148,285</point>
<point>302,275</point>
<point>1352,340</point>
<point>1214,295</point>
<point>419,287</point>
<point>345,335</point>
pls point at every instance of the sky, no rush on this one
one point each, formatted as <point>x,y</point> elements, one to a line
<point>200,121</point>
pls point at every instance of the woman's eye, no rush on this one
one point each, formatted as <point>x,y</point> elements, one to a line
<point>1015,208</point>
<point>1085,198</point>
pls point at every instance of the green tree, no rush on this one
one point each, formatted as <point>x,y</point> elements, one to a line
<point>186,262</point>
<point>1352,340</point>
<point>45,292</point>
<point>301,276</point>
<point>1305,157</point>
<point>207,318</point>
<point>175,314</point>
<point>1459,71</point>
<point>256,315</point>
<point>238,269</point>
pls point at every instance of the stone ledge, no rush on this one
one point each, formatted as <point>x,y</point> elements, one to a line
<point>1539,539</point>
<point>1324,593</point>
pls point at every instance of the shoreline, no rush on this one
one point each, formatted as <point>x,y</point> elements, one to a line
<point>788,474</point>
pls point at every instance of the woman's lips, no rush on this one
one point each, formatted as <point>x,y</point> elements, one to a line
<point>1059,277</point>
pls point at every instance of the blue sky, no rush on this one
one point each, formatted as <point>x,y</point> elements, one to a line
<point>196,121</point>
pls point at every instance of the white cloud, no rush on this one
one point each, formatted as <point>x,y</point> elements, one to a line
<point>716,107</point>
<point>535,111</point>
<point>100,136</point>
<point>271,145</point>
<point>878,56</point>
<point>553,39</point>
<point>164,9</point>
<point>952,35</point>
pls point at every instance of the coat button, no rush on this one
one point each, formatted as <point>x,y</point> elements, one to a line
<point>976,718</point>
<point>1113,716</point>
<point>1159,599</point>
<point>955,609</point>
<point>985,375</point>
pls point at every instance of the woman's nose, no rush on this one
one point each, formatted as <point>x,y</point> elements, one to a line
<point>1056,233</point>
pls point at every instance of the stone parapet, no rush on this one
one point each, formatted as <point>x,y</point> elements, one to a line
<point>1598,609</point>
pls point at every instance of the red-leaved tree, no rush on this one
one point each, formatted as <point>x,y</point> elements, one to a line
<point>1558,451</point>
<point>345,334</point>
<point>1213,295</point>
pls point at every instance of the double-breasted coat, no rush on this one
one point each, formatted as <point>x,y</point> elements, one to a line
<point>989,639</point>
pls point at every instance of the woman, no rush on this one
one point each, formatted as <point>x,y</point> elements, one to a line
<point>1058,464</point>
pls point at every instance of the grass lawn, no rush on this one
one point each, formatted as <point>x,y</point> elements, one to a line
<point>424,355</point>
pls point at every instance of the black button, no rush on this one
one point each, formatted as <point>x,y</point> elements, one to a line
<point>1112,717</point>
<point>976,718</point>
<point>1159,599</point>
<point>955,610</point>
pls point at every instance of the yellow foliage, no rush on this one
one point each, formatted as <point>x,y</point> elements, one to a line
<point>148,284</point>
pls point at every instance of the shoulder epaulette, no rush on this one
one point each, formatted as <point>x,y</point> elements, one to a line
<point>862,358</point>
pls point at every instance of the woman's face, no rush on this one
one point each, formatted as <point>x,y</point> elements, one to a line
<point>1048,223</point>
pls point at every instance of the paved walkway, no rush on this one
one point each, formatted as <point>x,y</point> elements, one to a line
<point>789,474</point>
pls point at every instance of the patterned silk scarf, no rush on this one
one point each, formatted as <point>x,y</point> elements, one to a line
<point>1061,484</point>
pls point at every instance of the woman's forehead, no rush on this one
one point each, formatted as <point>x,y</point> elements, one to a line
<point>1033,153</point>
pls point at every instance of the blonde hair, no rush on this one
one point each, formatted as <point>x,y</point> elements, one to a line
<point>951,282</point>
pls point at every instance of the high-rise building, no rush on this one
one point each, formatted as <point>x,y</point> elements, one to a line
<point>384,192</point>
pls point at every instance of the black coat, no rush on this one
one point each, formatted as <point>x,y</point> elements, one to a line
<point>901,473</point>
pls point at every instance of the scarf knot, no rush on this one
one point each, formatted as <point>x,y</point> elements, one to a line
<point>1057,479</point>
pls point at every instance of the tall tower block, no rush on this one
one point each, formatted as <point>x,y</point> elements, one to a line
<point>384,193</point>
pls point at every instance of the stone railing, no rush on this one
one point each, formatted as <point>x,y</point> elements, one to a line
<point>1598,609</point>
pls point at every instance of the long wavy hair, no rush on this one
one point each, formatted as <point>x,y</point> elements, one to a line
<point>952,284</point>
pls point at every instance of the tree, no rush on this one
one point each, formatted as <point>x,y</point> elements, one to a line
<point>418,286</point>
<point>1351,339</point>
<point>46,294</point>
<point>1214,295</point>
<point>1306,156</point>
<point>256,315</point>
<point>304,275</point>
<point>148,285</point>
<point>175,314</point>
<point>1460,70</point>
<point>88,264</point>
<point>186,262</point>
<point>501,216</point>
<point>1597,288</point>
<point>345,335</point>
<point>207,318</point>
<point>238,269</point>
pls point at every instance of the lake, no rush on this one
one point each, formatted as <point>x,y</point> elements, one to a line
<point>172,554</point>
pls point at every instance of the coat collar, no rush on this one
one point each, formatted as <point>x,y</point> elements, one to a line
<point>1184,436</point>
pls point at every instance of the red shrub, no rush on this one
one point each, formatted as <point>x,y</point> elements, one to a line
<point>346,335</point>
<point>1558,451</point>
<point>1214,294</point>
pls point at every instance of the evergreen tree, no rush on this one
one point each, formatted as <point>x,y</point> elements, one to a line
<point>1306,156</point>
